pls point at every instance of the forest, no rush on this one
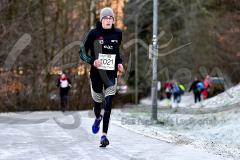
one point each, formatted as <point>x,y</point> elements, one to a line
<point>41,38</point>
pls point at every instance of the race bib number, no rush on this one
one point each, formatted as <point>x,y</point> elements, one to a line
<point>108,61</point>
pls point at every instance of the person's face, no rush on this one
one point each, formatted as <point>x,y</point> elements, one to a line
<point>107,22</point>
<point>63,76</point>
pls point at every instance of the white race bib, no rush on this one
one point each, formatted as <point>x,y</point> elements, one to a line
<point>63,83</point>
<point>108,61</point>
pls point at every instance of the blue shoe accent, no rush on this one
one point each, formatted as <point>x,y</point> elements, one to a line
<point>96,125</point>
<point>104,141</point>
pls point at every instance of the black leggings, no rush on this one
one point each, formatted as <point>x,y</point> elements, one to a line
<point>107,111</point>
<point>64,102</point>
<point>197,96</point>
<point>97,86</point>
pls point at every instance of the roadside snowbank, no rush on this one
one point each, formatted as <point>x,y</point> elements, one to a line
<point>229,97</point>
<point>216,131</point>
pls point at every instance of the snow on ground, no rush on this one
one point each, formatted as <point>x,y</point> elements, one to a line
<point>57,136</point>
<point>187,101</point>
<point>216,131</point>
<point>52,135</point>
<point>229,97</point>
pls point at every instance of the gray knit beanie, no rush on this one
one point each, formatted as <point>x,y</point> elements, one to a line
<point>107,11</point>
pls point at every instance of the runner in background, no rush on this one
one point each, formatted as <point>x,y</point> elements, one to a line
<point>64,85</point>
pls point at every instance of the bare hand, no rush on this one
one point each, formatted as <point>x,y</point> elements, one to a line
<point>97,63</point>
<point>120,68</point>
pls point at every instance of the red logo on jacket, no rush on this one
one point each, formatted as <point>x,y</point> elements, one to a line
<point>100,40</point>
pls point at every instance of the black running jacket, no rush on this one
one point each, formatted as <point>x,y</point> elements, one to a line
<point>104,41</point>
